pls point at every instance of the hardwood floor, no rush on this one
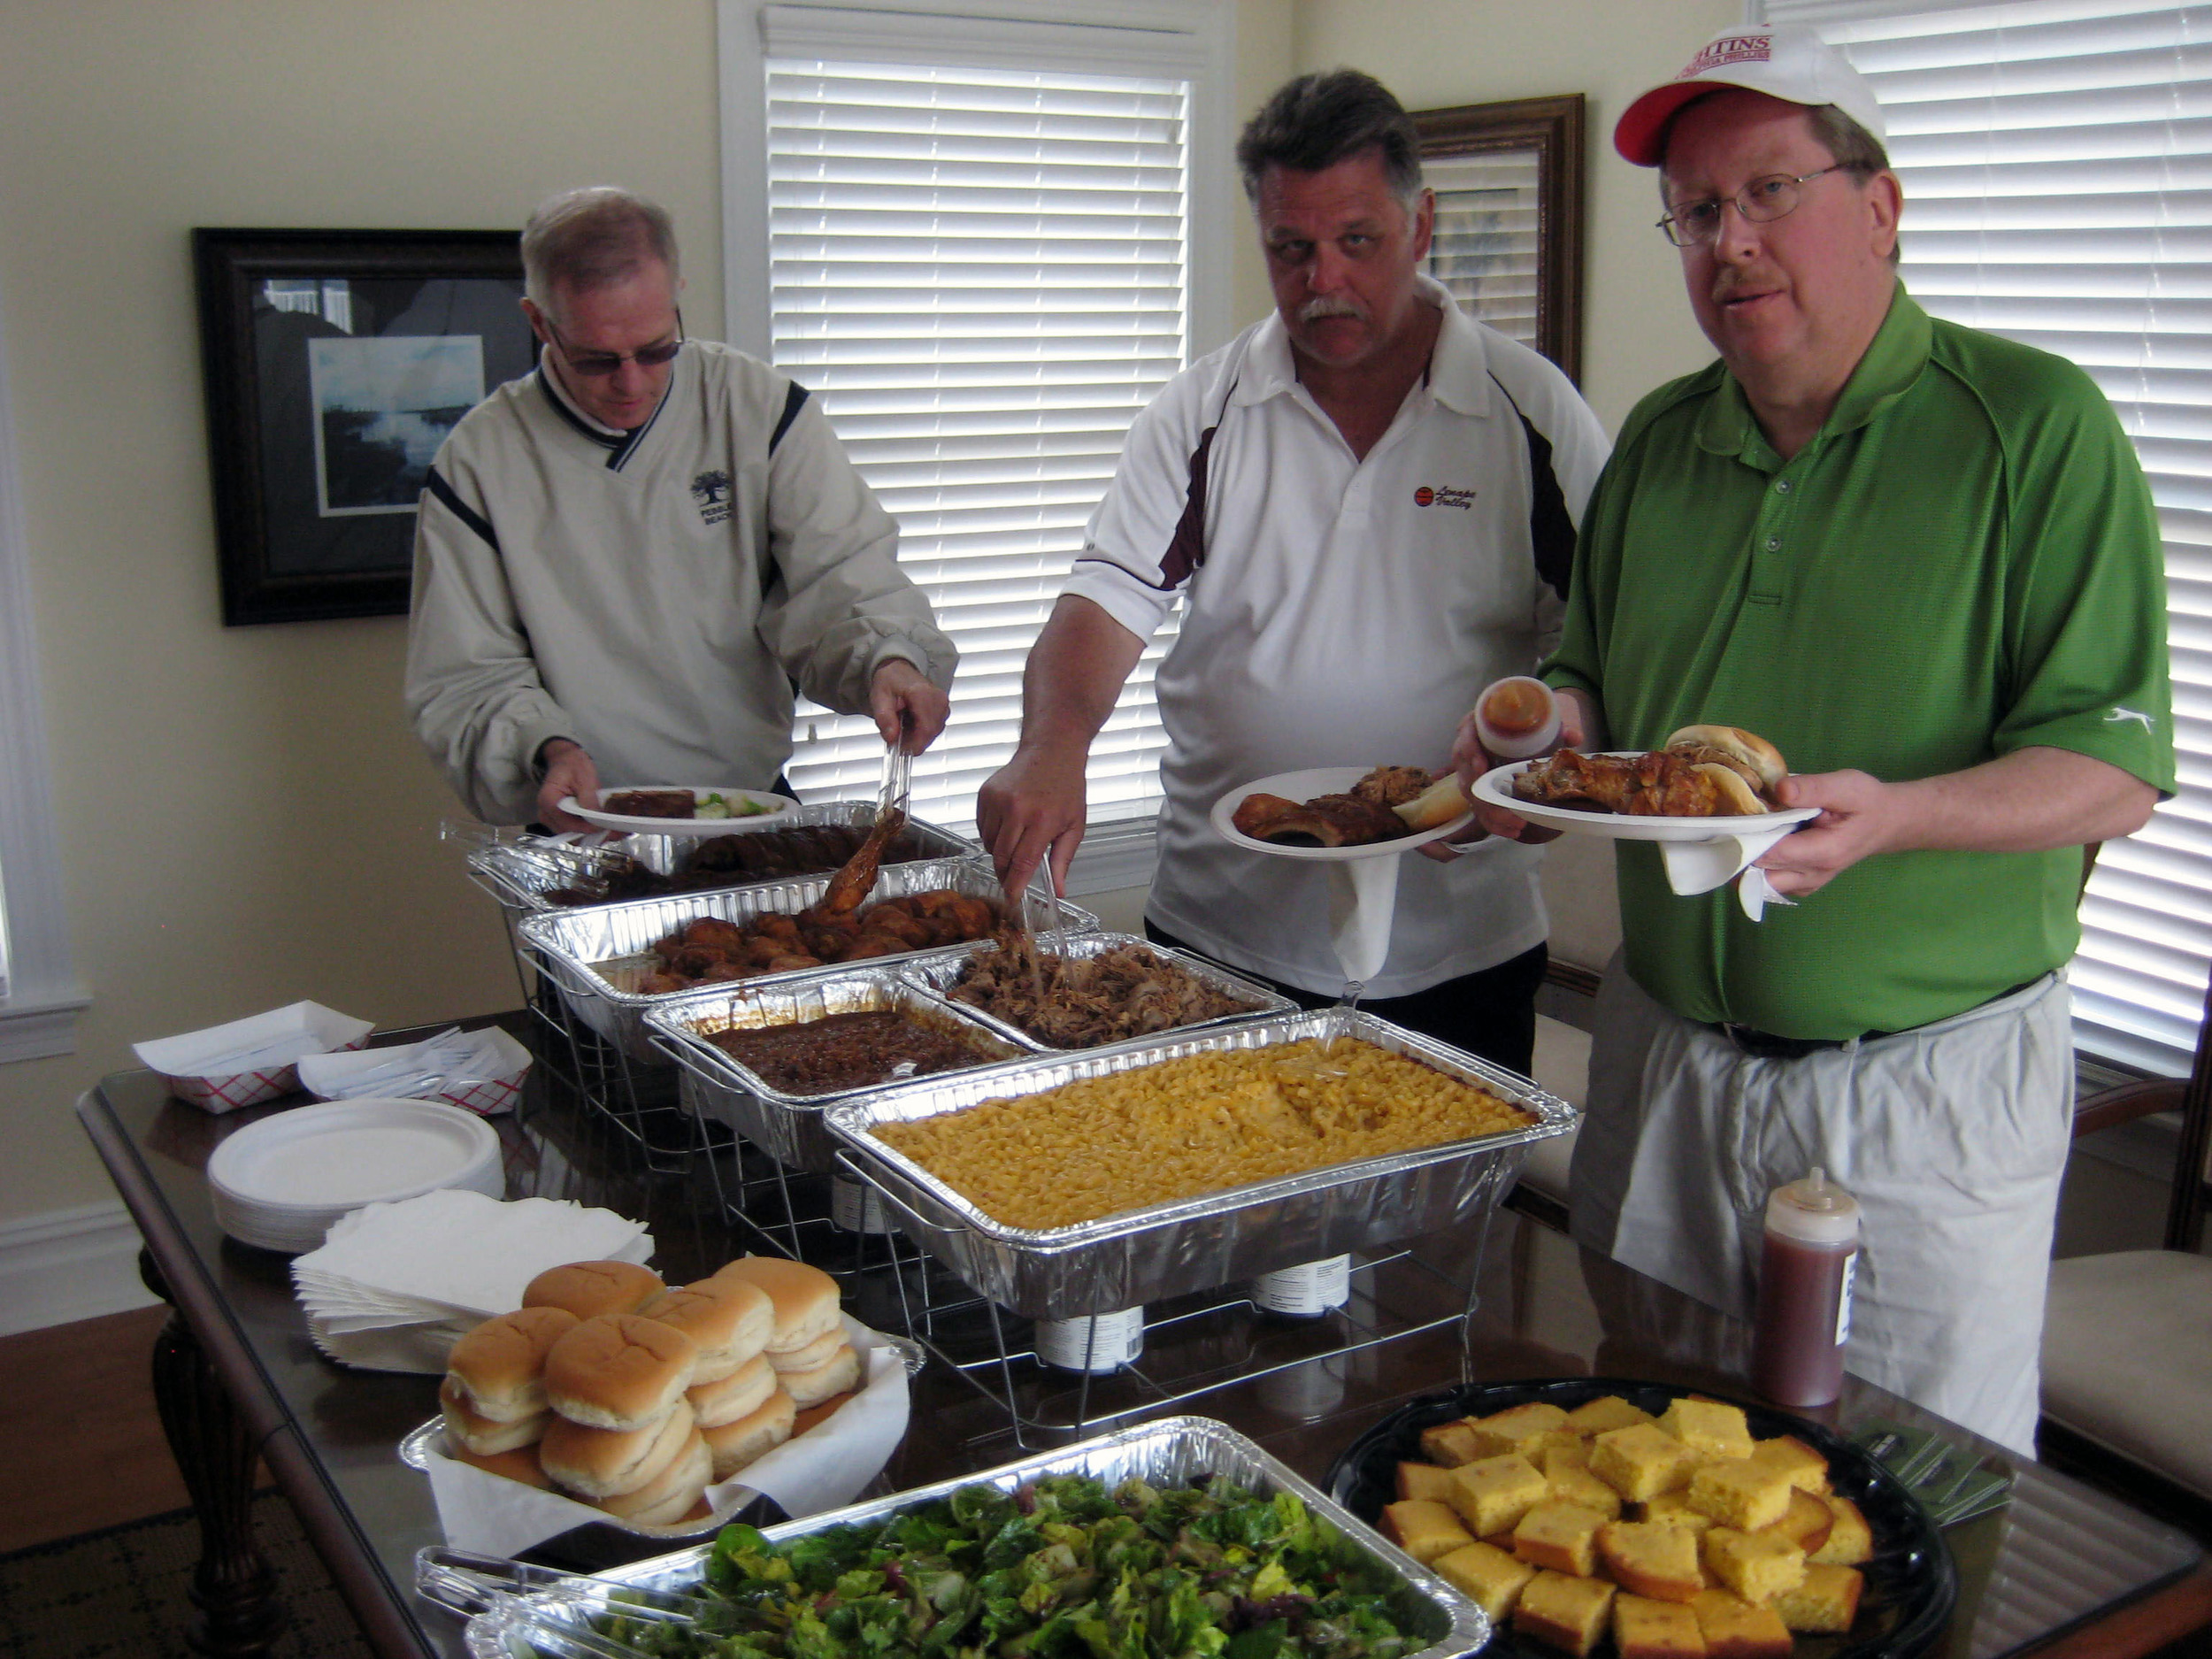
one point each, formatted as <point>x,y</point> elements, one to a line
<point>84,1445</point>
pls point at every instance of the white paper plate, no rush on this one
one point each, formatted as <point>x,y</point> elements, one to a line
<point>776,803</point>
<point>282,1182</point>
<point>1496,788</point>
<point>1304,786</point>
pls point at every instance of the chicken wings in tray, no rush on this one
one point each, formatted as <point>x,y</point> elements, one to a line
<point>709,951</point>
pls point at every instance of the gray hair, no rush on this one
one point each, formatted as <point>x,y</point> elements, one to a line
<point>593,238</point>
<point>1319,119</point>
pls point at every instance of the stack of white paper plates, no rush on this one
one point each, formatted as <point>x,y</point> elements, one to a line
<point>280,1183</point>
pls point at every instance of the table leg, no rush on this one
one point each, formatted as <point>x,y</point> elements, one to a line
<point>239,1613</point>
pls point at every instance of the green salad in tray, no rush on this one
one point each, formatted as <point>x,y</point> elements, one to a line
<point>1060,1569</point>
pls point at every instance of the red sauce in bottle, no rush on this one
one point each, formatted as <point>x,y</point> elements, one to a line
<point>1806,1266</point>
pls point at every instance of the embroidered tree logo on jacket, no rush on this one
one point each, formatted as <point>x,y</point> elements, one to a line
<point>711,488</point>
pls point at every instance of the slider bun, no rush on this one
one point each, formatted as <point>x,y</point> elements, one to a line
<point>729,1319</point>
<point>520,1464</point>
<point>482,1434</point>
<point>1736,795</point>
<point>669,1496</point>
<point>741,1394</point>
<point>498,1368</point>
<point>600,1463</point>
<point>737,1444</point>
<point>619,1371</point>
<point>805,1298</point>
<point>588,1289</point>
<point>1439,803</point>
<point>1764,762</point>
<point>835,1375</point>
<point>815,1352</point>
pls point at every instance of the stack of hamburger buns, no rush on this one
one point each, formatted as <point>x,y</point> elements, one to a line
<point>636,1396</point>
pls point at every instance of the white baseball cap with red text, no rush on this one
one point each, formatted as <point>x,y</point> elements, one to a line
<point>1789,62</point>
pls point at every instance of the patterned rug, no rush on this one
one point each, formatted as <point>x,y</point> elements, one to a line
<point>120,1592</point>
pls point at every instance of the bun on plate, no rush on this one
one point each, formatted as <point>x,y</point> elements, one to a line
<point>588,1289</point>
<point>519,1464</point>
<point>1750,756</point>
<point>602,1462</point>
<point>619,1371</point>
<point>498,1369</point>
<point>485,1436</point>
<point>805,1298</point>
<point>1439,803</point>
<point>838,1374</point>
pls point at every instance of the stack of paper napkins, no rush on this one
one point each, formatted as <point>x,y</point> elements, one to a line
<point>394,1286</point>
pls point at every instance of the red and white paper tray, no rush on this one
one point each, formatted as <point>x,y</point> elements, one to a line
<point>487,1085</point>
<point>251,1060</point>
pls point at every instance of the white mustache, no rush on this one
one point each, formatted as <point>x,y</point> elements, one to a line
<point>1314,310</point>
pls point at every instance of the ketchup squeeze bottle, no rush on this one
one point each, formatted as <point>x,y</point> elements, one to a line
<point>1517,717</point>
<point>1810,1255</point>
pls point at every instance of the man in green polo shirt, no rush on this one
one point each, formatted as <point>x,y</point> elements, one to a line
<point>1922,562</point>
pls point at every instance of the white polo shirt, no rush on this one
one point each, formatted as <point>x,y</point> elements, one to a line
<point>1341,612</point>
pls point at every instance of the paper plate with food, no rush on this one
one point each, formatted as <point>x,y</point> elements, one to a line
<point>1332,813</point>
<point>680,809</point>
<point>1707,781</point>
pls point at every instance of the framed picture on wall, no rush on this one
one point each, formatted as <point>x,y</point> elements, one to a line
<point>336,362</point>
<point>1508,179</point>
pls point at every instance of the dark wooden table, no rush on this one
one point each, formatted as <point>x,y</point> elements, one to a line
<point>2063,1570</point>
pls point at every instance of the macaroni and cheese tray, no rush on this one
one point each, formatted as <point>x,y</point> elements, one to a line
<point>597,956</point>
<point>1163,1249</point>
<point>788,1125</point>
<point>1174,1452</point>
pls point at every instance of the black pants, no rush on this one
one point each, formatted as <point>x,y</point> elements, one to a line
<point>1492,1013</point>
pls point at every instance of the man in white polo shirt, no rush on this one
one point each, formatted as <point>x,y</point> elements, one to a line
<point>1366,504</point>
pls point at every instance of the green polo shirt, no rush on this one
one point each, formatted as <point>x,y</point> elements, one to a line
<point>1963,563</point>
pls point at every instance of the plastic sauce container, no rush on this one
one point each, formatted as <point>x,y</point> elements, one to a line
<point>1517,717</point>
<point>1808,1259</point>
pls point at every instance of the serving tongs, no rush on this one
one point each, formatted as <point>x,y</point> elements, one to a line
<point>541,1604</point>
<point>898,769</point>
<point>554,858</point>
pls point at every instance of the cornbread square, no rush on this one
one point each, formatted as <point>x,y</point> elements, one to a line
<point>1739,1492</point>
<point>1485,1575</point>
<point>1736,1629</point>
<point>1850,1540</point>
<point>1651,1559</point>
<point>1524,1429</point>
<point>1450,1444</point>
<point>1645,1629</point>
<point>1424,1528</point>
<point>1565,1612</point>
<point>1606,1411</point>
<point>1560,1536</point>
<point>1425,1480</point>
<point>1806,1522</point>
<point>1573,1482</point>
<point>1673,1509</point>
<point>1827,1602</point>
<point>1757,1566</point>
<point>1491,1495</point>
<point>1711,1427</point>
<point>1637,1462</point>
<point>1807,1469</point>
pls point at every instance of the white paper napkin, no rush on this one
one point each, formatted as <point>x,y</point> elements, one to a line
<point>821,1470</point>
<point>1694,867</point>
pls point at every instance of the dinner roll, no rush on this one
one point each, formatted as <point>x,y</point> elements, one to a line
<point>737,1444</point>
<point>588,1289</point>
<point>834,1376</point>
<point>673,1493</point>
<point>520,1464</point>
<point>741,1394</point>
<point>601,1462</point>
<point>619,1371</point>
<point>815,1353</point>
<point>482,1434</point>
<point>805,1298</point>
<point>729,1319</point>
<point>498,1367</point>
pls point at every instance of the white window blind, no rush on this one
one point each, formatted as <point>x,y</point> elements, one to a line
<point>983,274</point>
<point>2056,157</point>
<point>1484,250</point>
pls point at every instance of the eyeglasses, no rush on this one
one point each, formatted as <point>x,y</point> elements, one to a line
<point>596,366</point>
<point>1761,202</point>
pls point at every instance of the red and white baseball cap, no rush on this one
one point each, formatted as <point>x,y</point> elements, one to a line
<point>1791,64</point>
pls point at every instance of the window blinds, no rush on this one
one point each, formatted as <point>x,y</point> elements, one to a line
<point>982,272</point>
<point>1484,250</point>
<point>2056,157</point>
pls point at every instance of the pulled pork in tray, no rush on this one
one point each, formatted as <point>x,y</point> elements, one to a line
<point>729,861</point>
<point>1081,1001</point>
<point>842,1051</point>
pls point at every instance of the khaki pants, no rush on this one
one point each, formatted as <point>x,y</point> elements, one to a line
<point>1952,1137</point>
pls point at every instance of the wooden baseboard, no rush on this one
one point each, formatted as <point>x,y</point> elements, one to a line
<point>66,1266</point>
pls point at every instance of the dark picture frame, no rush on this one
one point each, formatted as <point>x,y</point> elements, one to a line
<point>334,362</point>
<point>1551,130</point>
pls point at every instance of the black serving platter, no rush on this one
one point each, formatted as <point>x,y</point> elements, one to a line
<point>1911,1583</point>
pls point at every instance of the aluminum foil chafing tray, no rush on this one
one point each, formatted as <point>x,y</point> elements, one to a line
<point>787,1127</point>
<point>1168,1453</point>
<point>1192,1244</point>
<point>595,954</point>
<point>939,972</point>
